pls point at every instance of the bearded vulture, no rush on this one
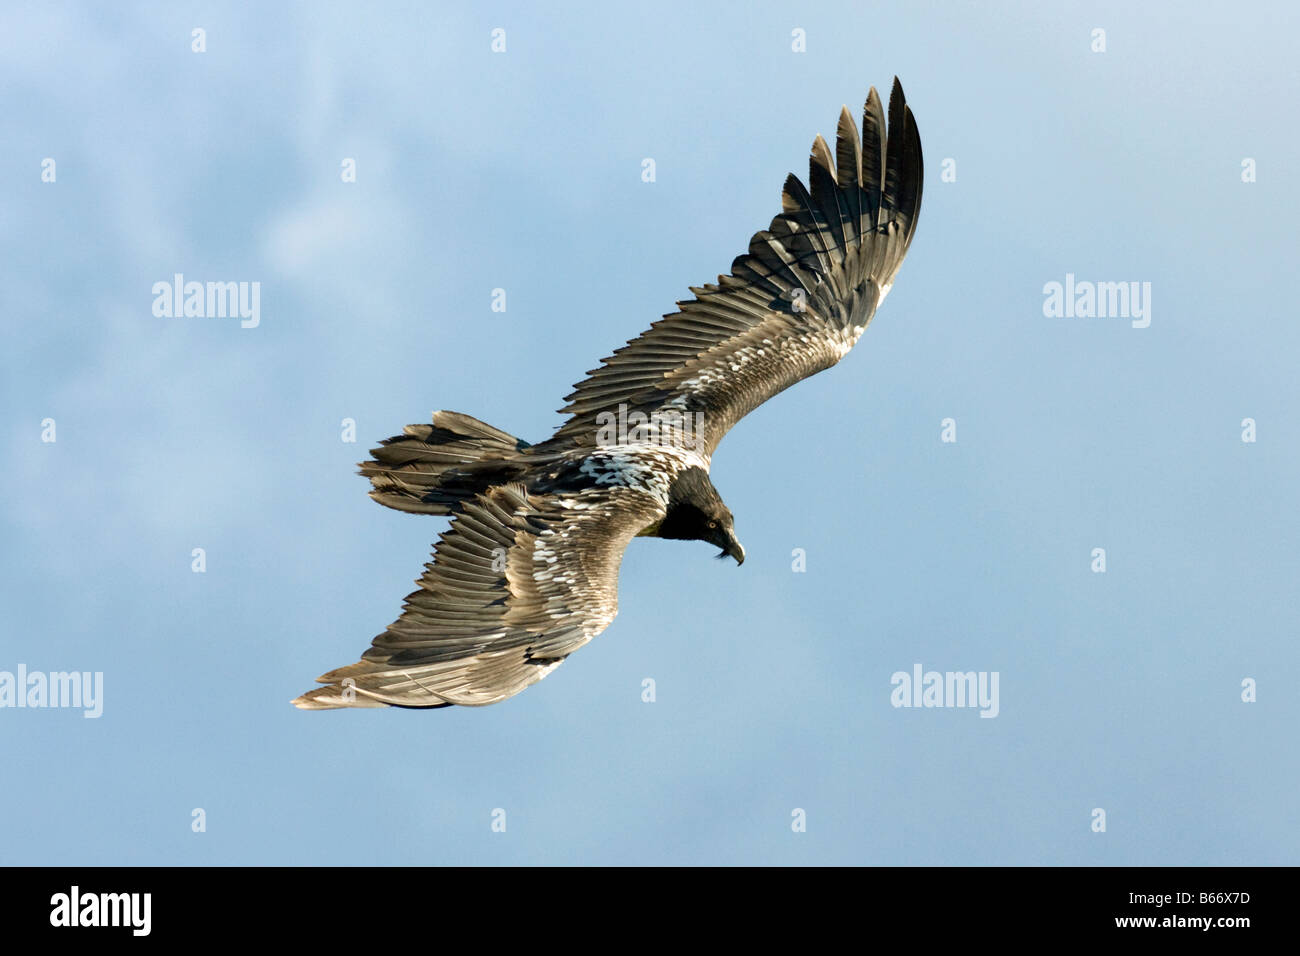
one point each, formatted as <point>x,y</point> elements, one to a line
<point>527,571</point>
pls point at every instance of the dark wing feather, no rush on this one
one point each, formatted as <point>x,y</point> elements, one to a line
<point>792,306</point>
<point>517,583</point>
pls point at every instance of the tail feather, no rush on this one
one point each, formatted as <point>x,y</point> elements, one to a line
<point>429,469</point>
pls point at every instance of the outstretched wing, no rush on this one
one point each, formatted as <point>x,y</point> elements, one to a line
<point>517,583</point>
<point>793,305</point>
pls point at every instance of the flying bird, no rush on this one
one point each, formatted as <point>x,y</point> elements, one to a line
<point>527,571</point>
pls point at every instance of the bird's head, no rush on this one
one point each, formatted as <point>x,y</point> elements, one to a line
<point>722,532</point>
<point>696,513</point>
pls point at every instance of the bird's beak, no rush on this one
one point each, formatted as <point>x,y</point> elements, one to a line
<point>736,550</point>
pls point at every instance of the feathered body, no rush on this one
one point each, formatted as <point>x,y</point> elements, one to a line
<point>527,572</point>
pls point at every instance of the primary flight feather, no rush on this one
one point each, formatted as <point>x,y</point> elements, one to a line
<point>527,572</point>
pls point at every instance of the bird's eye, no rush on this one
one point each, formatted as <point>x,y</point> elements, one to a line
<point>713,524</point>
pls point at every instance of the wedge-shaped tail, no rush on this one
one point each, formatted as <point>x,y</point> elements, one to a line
<point>430,469</point>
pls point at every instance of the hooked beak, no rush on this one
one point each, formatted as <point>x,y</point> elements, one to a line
<point>734,549</point>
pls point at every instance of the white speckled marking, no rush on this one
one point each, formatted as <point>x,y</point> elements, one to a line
<point>646,467</point>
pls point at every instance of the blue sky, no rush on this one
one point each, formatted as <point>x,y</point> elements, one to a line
<point>522,170</point>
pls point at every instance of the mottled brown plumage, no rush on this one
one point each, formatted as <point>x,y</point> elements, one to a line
<point>527,572</point>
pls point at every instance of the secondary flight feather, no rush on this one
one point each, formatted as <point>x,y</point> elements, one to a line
<point>527,571</point>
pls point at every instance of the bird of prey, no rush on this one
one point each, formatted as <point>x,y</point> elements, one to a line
<point>527,571</point>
